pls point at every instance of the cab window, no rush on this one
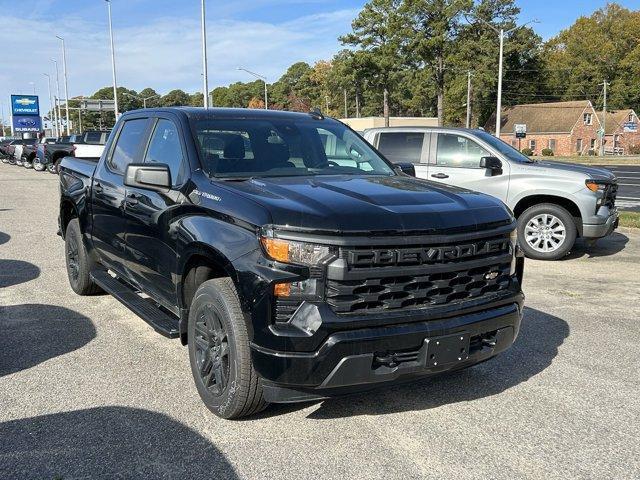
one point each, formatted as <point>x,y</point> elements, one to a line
<point>401,146</point>
<point>127,145</point>
<point>458,151</point>
<point>165,147</point>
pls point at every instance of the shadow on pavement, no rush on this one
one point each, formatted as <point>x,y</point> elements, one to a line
<point>34,333</point>
<point>15,272</point>
<point>107,443</point>
<point>4,238</point>
<point>536,347</point>
<point>603,247</point>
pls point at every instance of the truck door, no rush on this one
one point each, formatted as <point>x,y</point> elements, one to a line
<point>151,235</point>
<point>405,146</point>
<point>455,160</point>
<point>108,194</point>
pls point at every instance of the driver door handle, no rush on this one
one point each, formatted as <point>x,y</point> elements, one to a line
<point>132,199</point>
<point>440,175</point>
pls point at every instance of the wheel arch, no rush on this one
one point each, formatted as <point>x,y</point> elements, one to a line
<point>537,199</point>
<point>68,211</point>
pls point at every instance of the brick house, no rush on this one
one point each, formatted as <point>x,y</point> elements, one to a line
<point>622,131</point>
<point>566,128</point>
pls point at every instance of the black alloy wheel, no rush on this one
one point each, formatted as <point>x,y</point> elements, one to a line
<point>212,350</point>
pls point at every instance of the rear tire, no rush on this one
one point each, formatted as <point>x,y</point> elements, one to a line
<point>219,352</point>
<point>77,261</point>
<point>546,232</point>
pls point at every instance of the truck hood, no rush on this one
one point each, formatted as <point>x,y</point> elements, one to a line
<point>365,204</point>
<point>590,172</point>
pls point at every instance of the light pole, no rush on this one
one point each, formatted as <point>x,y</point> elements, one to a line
<point>144,99</point>
<point>66,86</point>
<point>205,73</point>
<point>55,130</point>
<point>57,98</point>
<point>501,33</point>
<point>113,64</point>
<point>33,86</point>
<point>264,79</point>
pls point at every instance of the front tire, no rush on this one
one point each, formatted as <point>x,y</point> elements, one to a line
<point>219,352</point>
<point>546,232</point>
<point>38,167</point>
<point>77,260</point>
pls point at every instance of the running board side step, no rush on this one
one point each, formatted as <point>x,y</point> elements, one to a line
<point>161,322</point>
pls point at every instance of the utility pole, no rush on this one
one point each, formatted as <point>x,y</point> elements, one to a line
<point>346,106</point>
<point>604,118</point>
<point>113,64</point>
<point>66,86</point>
<point>205,74</point>
<point>357,104</point>
<point>386,107</point>
<point>469,99</point>
<point>55,129</point>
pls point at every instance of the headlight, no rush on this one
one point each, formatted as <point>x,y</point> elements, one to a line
<point>596,186</point>
<point>288,251</point>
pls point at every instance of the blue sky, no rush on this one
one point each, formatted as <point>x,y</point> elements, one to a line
<point>158,41</point>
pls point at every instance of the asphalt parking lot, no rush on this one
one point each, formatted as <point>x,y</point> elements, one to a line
<point>88,390</point>
<point>628,186</point>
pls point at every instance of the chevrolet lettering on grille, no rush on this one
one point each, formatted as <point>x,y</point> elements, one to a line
<point>427,255</point>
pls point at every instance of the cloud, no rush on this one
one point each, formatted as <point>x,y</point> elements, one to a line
<point>163,53</point>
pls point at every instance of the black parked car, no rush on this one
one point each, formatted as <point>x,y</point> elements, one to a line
<point>293,259</point>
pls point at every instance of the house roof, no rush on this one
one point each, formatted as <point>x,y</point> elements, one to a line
<point>615,120</point>
<point>557,117</point>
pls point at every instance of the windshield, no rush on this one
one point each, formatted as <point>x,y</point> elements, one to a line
<point>503,147</point>
<point>242,148</point>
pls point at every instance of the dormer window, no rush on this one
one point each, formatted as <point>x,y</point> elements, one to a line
<point>588,118</point>
<point>631,117</point>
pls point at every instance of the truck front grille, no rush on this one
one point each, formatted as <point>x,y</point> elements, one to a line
<point>415,291</point>
<point>610,195</point>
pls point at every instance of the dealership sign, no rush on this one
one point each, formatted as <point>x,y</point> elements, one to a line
<point>26,123</point>
<point>25,105</point>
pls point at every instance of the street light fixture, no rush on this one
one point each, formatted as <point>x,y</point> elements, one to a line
<point>113,63</point>
<point>501,33</point>
<point>66,86</point>
<point>55,129</point>
<point>57,98</point>
<point>264,79</point>
<point>144,99</point>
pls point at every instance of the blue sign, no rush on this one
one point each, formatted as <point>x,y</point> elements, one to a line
<point>25,105</point>
<point>26,123</point>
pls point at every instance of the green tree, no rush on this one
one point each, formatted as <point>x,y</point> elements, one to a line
<point>175,98</point>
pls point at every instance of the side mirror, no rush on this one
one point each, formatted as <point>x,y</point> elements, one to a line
<point>493,164</point>
<point>406,168</point>
<point>150,176</point>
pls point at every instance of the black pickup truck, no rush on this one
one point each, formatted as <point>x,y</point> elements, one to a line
<point>293,259</point>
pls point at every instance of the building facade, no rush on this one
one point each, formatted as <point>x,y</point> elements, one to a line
<point>569,128</point>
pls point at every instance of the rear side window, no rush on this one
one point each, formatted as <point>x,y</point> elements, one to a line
<point>93,137</point>
<point>127,145</point>
<point>401,146</point>
<point>165,147</point>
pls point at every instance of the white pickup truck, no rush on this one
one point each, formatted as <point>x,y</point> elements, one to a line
<point>92,144</point>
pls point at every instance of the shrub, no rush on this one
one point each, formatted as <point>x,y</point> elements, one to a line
<point>527,151</point>
<point>634,149</point>
<point>547,152</point>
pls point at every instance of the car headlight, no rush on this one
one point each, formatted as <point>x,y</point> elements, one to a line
<point>596,185</point>
<point>288,251</point>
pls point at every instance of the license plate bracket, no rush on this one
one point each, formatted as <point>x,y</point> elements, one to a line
<point>446,350</point>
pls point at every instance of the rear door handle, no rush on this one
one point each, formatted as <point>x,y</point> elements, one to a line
<point>98,188</point>
<point>440,175</point>
<point>132,199</point>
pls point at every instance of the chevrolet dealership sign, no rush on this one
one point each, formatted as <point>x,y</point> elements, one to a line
<point>25,105</point>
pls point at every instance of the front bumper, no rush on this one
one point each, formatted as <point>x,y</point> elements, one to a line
<point>353,360</point>
<point>604,229</point>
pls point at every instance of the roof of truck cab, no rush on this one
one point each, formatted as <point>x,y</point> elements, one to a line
<point>239,113</point>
